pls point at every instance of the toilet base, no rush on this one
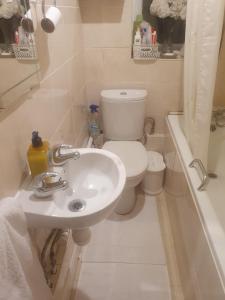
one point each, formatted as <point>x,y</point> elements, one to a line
<point>126,202</point>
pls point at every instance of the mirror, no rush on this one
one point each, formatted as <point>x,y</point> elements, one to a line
<point>11,16</point>
<point>166,19</point>
<point>18,55</point>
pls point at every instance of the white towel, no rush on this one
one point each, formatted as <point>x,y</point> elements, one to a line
<point>21,277</point>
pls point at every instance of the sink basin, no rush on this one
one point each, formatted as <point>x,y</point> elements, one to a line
<point>96,181</point>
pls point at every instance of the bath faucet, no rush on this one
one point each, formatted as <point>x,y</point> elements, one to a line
<point>60,158</point>
<point>213,123</point>
<point>218,119</point>
<point>47,183</point>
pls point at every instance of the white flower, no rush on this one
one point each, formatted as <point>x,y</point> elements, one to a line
<point>8,9</point>
<point>160,8</point>
<point>169,8</point>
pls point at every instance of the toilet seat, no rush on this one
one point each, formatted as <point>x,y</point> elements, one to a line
<point>133,155</point>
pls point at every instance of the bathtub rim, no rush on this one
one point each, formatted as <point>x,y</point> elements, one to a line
<point>201,199</point>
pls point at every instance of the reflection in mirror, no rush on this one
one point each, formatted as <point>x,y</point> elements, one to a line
<point>11,14</point>
<point>165,19</point>
<point>18,53</point>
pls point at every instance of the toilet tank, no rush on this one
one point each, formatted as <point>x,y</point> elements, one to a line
<point>123,113</point>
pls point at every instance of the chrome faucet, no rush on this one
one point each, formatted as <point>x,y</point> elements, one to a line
<point>59,158</point>
<point>47,183</point>
<point>218,119</point>
<point>213,123</point>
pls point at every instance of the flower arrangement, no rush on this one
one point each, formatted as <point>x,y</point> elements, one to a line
<point>169,8</point>
<point>9,8</point>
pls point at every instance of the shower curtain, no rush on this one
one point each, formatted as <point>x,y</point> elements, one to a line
<point>204,24</point>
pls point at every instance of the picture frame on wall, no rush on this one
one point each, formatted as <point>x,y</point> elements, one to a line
<point>166,19</point>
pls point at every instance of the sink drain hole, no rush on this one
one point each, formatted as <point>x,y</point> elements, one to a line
<point>77,205</point>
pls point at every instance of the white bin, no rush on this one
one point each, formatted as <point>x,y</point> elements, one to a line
<point>153,180</point>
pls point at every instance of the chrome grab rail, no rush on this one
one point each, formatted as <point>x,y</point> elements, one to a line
<point>205,178</point>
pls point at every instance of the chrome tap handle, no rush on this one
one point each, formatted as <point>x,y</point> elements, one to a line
<point>46,184</point>
<point>65,146</point>
<point>205,178</point>
<point>59,158</point>
<point>48,179</point>
<point>75,154</point>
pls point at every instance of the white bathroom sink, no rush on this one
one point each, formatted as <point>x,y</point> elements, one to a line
<point>96,181</point>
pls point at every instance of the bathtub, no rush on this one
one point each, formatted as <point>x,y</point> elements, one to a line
<point>197,217</point>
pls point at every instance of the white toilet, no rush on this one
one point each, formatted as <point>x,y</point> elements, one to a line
<point>123,113</point>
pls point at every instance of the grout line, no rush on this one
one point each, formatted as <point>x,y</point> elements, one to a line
<point>60,6</point>
<point>102,48</point>
<point>163,266</point>
<point>123,262</point>
<point>57,69</point>
<point>167,236</point>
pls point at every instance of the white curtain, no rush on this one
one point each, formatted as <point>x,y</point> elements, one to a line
<point>204,24</point>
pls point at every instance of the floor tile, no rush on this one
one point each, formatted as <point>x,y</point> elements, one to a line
<point>119,281</point>
<point>134,238</point>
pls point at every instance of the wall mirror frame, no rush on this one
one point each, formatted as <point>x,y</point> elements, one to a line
<point>162,27</point>
<point>18,55</point>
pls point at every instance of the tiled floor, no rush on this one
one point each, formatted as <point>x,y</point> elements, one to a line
<point>125,258</point>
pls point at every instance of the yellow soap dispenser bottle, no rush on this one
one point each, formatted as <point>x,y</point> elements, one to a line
<point>37,155</point>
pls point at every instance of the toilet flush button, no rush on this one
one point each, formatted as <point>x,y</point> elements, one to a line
<point>123,93</point>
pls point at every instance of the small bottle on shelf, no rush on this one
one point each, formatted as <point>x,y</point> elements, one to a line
<point>137,38</point>
<point>94,124</point>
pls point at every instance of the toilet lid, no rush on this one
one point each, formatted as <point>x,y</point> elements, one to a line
<point>132,154</point>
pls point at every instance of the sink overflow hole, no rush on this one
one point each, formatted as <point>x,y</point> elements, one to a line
<point>76,205</point>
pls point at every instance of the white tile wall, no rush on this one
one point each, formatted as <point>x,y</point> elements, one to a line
<point>55,108</point>
<point>107,27</point>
